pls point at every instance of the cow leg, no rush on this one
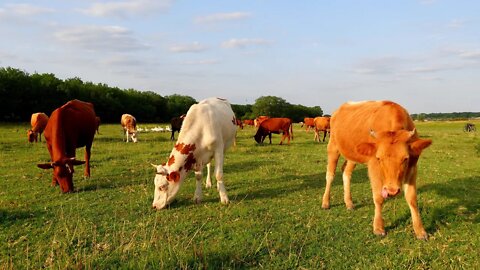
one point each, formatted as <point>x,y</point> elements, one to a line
<point>333,156</point>
<point>347,176</point>
<point>316,137</point>
<point>208,182</point>
<point>376,184</point>
<point>411,198</point>
<point>219,176</point>
<point>197,198</point>
<point>87,160</point>
<point>54,181</point>
<point>270,137</point>
<point>126,134</point>
<point>324,135</point>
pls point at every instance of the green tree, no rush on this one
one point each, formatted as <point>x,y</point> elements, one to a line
<point>271,106</point>
<point>178,104</point>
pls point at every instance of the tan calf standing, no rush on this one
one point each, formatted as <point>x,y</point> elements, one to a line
<point>382,135</point>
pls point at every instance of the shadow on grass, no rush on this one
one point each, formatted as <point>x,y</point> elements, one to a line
<point>464,194</point>
<point>16,216</point>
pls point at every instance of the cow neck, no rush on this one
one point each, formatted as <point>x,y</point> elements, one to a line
<point>58,138</point>
<point>182,157</point>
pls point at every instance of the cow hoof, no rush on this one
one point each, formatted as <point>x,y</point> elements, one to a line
<point>197,200</point>
<point>326,206</point>
<point>208,185</point>
<point>422,236</point>
<point>379,232</point>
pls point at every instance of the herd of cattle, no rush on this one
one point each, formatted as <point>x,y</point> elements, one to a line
<point>380,134</point>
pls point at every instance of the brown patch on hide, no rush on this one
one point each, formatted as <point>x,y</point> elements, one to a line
<point>171,160</point>
<point>174,176</point>
<point>189,162</point>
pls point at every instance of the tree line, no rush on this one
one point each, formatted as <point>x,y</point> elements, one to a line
<point>23,94</point>
<point>445,116</point>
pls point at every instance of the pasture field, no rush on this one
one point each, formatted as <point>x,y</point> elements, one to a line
<point>274,220</point>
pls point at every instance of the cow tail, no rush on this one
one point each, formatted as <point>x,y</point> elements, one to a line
<point>291,130</point>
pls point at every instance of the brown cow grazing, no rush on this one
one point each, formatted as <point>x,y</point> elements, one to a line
<point>38,122</point>
<point>129,125</point>
<point>321,123</point>
<point>176,124</point>
<point>97,121</point>
<point>382,135</point>
<point>308,122</point>
<point>239,123</point>
<point>248,122</point>
<point>274,125</point>
<point>71,126</point>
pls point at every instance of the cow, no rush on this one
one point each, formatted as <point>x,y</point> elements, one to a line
<point>176,124</point>
<point>321,123</point>
<point>257,121</point>
<point>70,127</point>
<point>98,121</point>
<point>38,122</point>
<point>239,123</point>
<point>208,130</point>
<point>248,122</point>
<point>469,127</point>
<point>308,122</point>
<point>274,125</point>
<point>129,125</point>
<point>382,135</point>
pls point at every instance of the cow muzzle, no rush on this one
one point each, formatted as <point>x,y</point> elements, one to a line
<point>390,192</point>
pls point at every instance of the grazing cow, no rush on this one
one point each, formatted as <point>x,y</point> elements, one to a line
<point>176,124</point>
<point>382,135</point>
<point>321,123</point>
<point>257,121</point>
<point>98,121</point>
<point>71,126</point>
<point>129,125</point>
<point>38,122</point>
<point>274,125</point>
<point>469,127</point>
<point>309,123</point>
<point>239,123</point>
<point>248,122</point>
<point>208,130</point>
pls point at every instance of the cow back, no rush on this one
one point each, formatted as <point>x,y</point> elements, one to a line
<point>71,126</point>
<point>352,124</point>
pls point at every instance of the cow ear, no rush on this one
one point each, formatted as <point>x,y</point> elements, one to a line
<point>367,149</point>
<point>45,166</point>
<point>78,162</point>
<point>174,176</point>
<point>417,146</point>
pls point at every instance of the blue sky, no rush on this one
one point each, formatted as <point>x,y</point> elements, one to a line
<point>423,54</point>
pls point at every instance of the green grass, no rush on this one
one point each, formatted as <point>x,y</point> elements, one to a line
<point>274,220</point>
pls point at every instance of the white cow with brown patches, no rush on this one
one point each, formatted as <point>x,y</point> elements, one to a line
<point>129,125</point>
<point>208,130</point>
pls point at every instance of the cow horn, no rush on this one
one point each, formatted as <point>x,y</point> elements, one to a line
<point>372,133</point>
<point>411,133</point>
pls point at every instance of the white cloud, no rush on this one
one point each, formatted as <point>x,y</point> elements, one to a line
<point>456,23</point>
<point>127,9</point>
<point>100,38</point>
<point>201,62</point>
<point>183,48</point>
<point>470,54</point>
<point>26,9</point>
<point>244,42</point>
<point>220,17</point>
<point>380,65</point>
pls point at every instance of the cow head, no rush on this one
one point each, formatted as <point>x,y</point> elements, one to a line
<point>393,155</point>
<point>62,172</point>
<point>167,184</point>
<point>32,136</point>
<point>134,136</point>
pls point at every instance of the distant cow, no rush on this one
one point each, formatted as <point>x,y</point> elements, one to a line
<point>257,121</point>
<point>98,121</point>
<point>239,123</point>
<point>129,125</point>
<point>274,125</point>
<point>248,122</point>
<point>469,127</point>
<point>208,131</point>
<point>38,122</point>
<point>176,124</point>
<point>71,126</point>
<point>308,122</point>
<point>321,123</point>
<point>382,135</point>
